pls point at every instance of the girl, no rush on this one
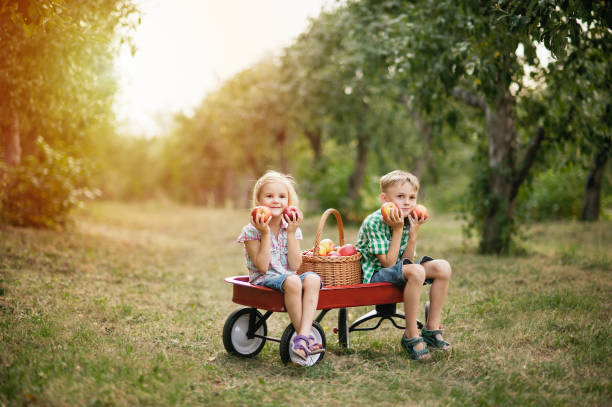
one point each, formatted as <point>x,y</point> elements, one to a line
<point>273,256</point>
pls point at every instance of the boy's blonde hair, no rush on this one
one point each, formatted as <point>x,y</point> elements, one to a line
<point>274,176</point>
<point>396,177</point>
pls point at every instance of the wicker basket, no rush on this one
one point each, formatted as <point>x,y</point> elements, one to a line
<point>334,271</point>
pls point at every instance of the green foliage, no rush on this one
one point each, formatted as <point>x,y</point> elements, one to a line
<point>553,194</point>
<point>43,189</point>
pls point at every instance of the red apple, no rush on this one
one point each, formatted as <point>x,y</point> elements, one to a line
<point>291,212</point>
<point>347,250</point>
<point>387,209</point>
<point>262,211</point>
<point>419,212</point>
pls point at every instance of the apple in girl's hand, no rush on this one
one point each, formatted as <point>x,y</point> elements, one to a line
<point>291,212</point>
<point>265,212</point>
<point>326,246</point>
<point>387,209</point>
<point>347,250</point>
<point>419,212</point>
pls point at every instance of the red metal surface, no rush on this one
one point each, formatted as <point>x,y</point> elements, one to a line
<point>344,296</point>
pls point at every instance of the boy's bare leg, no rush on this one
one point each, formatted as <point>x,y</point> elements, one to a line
<point>440,272</point>
<point>415,276</point>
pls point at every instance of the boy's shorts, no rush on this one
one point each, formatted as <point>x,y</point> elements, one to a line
<point>276,282</point>
<point>394,274</point>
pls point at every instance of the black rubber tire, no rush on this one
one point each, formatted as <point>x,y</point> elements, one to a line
<point>343,328</point>
<point>285,343</point>
<point>235,330</point>
<point>426,312</point>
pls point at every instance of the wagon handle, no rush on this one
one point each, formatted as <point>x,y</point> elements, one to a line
<point>315,250</point>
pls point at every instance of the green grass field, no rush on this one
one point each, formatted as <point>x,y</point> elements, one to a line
<point>127,306</point>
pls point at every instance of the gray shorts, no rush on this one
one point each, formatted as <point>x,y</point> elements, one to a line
<point>394,274</point>
<point>276,282</point>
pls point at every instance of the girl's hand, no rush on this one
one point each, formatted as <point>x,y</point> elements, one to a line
<point>293,221</point>
<point>260,225</point>
<point>395,220</point>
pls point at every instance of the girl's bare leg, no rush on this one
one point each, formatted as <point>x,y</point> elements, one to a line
<point>293,300</point>
<point>310,300</point>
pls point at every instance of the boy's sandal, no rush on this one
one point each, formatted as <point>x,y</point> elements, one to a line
<point>430,336</point>
<point>409,344</point>
<point>298,344</point>
<point>314,347</point>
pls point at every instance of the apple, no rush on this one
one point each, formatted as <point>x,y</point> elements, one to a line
<point>326,246</point>
<point>347,250</point>
<point>291,212</point>
<point>261,211</point>
<point>419,212</point>
<point>387,209</point>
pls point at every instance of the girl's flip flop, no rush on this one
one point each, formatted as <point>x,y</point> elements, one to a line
<point>298,344</point>
<point>312,351</point>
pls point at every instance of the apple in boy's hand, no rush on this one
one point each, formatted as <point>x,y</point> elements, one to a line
<point>291,212</point>
<point>420,212</point>
<point>265,212</point>
<point>387,210</point>
<point>347,250</point>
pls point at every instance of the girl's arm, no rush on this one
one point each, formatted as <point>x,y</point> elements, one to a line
<point>259,252</point>
<point>294,255</point>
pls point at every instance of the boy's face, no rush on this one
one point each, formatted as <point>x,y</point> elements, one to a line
<point>403,195</point>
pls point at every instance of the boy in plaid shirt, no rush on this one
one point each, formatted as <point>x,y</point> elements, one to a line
<point>388,255</point>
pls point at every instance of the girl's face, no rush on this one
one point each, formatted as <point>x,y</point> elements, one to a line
<point>275,196</point>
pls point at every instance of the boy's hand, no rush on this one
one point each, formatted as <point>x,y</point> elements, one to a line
<point>260,225</point>
<point>293,221</point>
<point>395,220</point>
<point>415,224</point>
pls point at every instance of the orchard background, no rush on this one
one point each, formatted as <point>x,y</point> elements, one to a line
<point>113,246</point>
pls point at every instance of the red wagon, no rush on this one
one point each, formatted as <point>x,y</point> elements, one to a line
<point>245,331</point>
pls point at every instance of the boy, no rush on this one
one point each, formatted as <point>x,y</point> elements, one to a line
<point>388,249</point>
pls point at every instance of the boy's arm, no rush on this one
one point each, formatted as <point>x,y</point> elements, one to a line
<point>415,223</point>
<point>397,224</point>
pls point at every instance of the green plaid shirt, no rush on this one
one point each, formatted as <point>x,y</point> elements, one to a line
<point>374,238</point>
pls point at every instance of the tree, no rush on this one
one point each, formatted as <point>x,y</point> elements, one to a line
<point>478,53</point>
<point>56,78</point>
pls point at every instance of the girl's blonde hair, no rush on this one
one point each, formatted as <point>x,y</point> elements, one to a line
<point>274,176</point>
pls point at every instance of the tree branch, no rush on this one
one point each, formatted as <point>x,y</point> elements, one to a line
<point>469,98</point>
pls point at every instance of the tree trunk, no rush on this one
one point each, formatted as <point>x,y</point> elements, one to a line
<point>314,137</point>
<point>502,139</point>
<point>358,175</point>
<point>11,145</point>
<point>591,202</point>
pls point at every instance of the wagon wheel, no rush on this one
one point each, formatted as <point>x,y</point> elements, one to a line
<point>235,331</point>
<point>285,345</point>
<point>343,328</point>
<point>426,312</point>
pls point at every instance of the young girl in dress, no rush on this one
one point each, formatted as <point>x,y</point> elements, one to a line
<point>273,256</point>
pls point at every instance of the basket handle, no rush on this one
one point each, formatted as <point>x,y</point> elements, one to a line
<point>315,250</point>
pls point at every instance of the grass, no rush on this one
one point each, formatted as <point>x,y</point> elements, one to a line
<point>127,306</point>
